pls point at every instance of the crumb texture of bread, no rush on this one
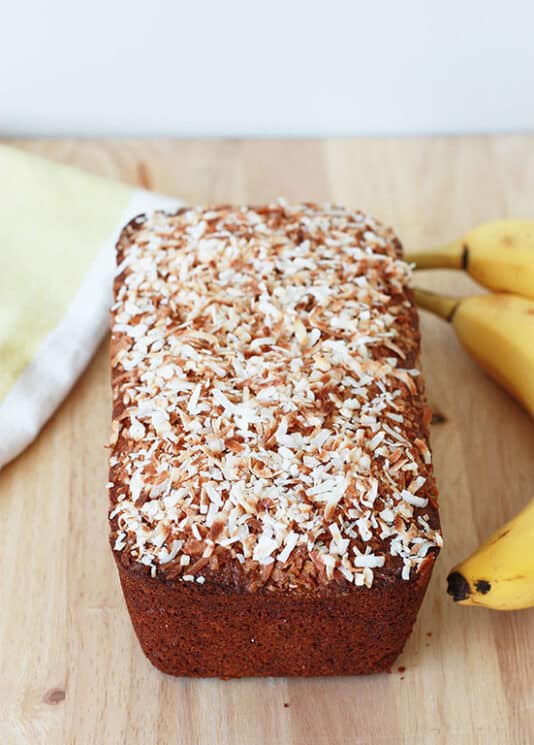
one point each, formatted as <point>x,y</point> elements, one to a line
<point>273,509</point>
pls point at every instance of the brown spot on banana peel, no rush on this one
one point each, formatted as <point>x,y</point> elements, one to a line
<point>458,587</point>
<point>465,257</point>
<point>460,590</point>
<point>482,586</point>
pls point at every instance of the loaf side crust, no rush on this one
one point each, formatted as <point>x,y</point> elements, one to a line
<point>190,631</point>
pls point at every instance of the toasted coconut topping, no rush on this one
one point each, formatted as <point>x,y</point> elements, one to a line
<point>268,408</point>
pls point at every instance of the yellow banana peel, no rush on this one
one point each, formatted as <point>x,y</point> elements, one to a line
<point>499,255</point>
<point>500,573</point>
<point>498,332</point>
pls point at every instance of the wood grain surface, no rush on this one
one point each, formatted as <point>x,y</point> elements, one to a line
<point>71,669</point>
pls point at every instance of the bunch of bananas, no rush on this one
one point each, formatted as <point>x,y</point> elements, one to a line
<point>497,329</point>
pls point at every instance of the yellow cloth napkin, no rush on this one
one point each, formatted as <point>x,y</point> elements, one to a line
<point>58,228</point>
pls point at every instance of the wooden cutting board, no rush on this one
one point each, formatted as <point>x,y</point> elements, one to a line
<point>71,669</point>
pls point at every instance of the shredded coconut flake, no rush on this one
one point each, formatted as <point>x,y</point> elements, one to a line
<point>263,361</point>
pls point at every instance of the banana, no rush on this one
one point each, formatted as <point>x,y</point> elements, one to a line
<point>498,331</point>
<point>500,574</point>
<point>498,255</point>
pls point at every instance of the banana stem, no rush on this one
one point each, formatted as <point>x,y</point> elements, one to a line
<point>449,256</point>
<point>443,306</point>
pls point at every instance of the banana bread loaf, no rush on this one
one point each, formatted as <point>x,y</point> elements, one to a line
<point>273,509</point>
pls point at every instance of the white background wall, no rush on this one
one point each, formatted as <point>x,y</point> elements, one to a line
<point>158,67</point>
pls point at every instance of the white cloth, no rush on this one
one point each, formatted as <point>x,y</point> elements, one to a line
<point>66,350</point>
